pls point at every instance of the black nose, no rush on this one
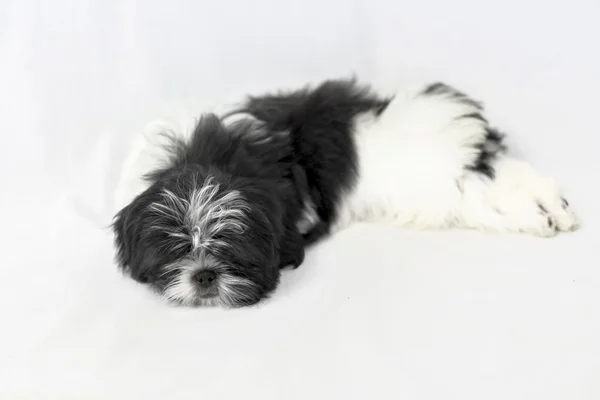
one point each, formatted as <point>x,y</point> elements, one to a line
<point>206,278</point>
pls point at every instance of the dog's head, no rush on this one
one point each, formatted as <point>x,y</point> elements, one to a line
<point>202,236</point>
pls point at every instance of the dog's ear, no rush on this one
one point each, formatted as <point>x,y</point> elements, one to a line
<point>124,235</point>
<point>131,255</point>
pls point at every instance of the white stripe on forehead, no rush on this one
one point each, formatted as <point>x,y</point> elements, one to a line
<point>200,215</point>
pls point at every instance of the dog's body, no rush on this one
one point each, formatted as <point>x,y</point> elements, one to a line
<point>247,192</point>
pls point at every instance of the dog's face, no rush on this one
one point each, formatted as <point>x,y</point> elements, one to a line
<point>201,237</point>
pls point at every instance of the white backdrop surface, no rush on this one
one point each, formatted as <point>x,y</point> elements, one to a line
<point>373,313</point>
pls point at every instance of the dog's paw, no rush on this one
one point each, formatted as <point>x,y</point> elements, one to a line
<point>568,220</point>
<point>559,211</point>
<point>540,210</point>
<point>534,219</point>
<point>557,207</point>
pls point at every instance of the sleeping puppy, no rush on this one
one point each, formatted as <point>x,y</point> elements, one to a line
<point>247,192</point>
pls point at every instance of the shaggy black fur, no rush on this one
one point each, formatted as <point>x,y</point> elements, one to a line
<point>298,148</point>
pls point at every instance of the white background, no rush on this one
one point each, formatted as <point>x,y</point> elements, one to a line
<point>373,313</point>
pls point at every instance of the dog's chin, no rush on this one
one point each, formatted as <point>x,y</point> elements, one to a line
<point>208,301</point>
<point>197,301</point>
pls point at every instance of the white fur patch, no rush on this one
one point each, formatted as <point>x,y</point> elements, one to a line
<point>412,173</point>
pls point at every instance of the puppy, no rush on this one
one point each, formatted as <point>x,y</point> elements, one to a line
<point>247,192</point>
